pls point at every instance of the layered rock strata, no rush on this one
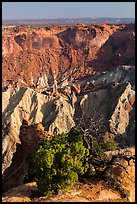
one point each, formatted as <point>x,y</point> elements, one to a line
<point>74,72</point>
<point>65,52</point>
<point>57,114</point>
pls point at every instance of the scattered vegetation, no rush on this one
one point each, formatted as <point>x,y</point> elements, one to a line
<point>64,159</point>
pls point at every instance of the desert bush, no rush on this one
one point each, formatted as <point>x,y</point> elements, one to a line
<point>98,150</point>
<point>110,144</point>
<point>58,163</point>
<point>61,161</point>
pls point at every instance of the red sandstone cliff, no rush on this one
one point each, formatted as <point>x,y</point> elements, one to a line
<point>60,52</point>
<point>38,56</point>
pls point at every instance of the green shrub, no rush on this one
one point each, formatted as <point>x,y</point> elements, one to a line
<point>57,163</point>
<point>98,150</point>
<point>111,144</point>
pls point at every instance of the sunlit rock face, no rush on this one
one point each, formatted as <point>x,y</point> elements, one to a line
<point>57,53</point>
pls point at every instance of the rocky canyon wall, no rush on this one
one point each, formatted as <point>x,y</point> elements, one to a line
<point>54,76</point>
<point>65,52</point>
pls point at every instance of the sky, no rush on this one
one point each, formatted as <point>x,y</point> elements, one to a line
<point>37,10</point>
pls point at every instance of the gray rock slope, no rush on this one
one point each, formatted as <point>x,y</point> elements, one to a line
<point>115,104</point>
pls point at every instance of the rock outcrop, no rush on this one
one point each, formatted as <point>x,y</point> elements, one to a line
<point>54,53</point>
<point>111,106</point>
<point>25,104</point>
<point>74,72</point>
<point>59,113</point>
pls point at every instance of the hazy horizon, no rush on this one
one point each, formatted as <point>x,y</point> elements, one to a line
<point>59,10</point>
<point>66,18</point>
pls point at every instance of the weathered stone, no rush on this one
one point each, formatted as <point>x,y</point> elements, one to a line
<point>64,53</point>
<point>74,72</point>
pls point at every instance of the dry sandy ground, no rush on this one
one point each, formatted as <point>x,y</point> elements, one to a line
<point>88,192</point>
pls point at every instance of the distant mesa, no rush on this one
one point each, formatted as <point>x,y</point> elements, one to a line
<point>67,21</point>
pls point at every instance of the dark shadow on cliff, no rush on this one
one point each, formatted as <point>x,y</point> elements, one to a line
<point>50,113</point>
<point>29,142</point>
<point>13,102</point>
<point>119,49</point>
